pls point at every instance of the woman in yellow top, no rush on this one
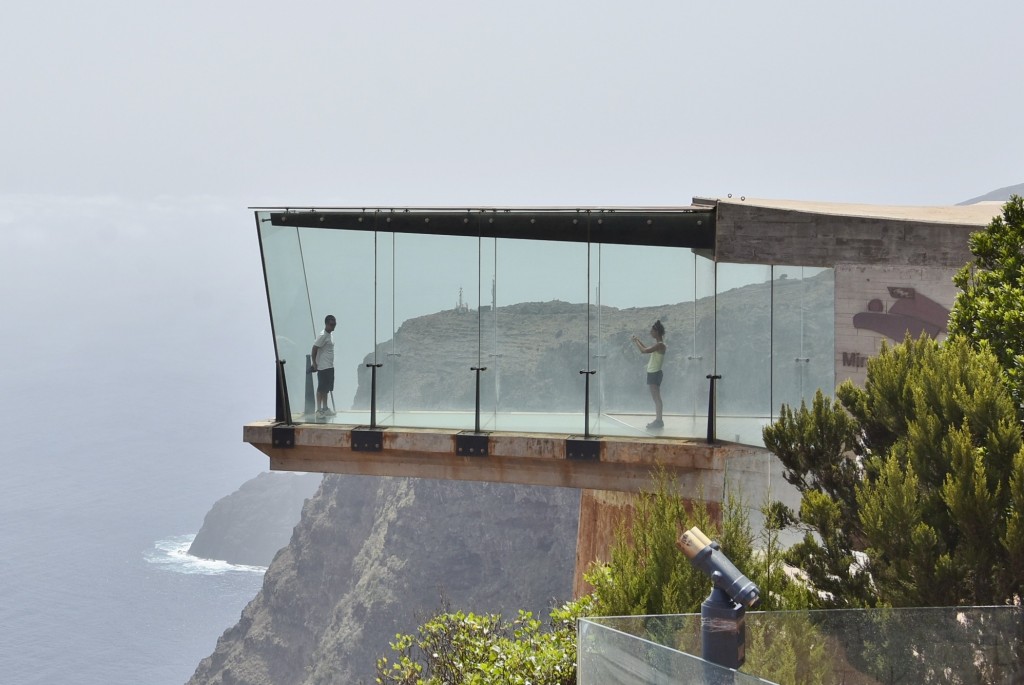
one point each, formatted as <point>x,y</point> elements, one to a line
<point>654,373</point>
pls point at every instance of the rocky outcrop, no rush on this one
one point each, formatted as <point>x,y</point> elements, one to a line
<point>372,557</point>
<point>250,525</point>
<point>534,351</point>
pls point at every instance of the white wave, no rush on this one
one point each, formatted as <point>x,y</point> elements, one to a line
<point>171,554</point>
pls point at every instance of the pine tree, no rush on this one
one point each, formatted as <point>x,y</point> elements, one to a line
<point>911,486</point>
<point>989,310</point>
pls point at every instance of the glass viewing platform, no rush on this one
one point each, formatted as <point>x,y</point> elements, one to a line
<point>522,320</point>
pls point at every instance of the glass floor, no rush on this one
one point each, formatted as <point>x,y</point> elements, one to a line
<point>744,430</point>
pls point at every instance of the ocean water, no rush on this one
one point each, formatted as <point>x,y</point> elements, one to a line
<point>96,585</point>
<point>134,345</point>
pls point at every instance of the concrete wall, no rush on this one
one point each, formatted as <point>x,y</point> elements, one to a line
<point>758,234</point>
<point>893,265</point>
<point>876,303</point>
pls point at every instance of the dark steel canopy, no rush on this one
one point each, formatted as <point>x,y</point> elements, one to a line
<point>691,227</point>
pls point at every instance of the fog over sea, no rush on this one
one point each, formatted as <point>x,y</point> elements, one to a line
<point>135,345</point>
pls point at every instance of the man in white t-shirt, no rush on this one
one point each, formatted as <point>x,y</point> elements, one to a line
<point>323,363</point>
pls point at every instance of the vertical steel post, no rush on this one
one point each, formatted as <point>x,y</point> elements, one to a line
<point>478,369</point>
<point>586,401</point>
<point>373,393</point>
<point>284,410</point>
<point>310,407</point>
<point>712,377</point>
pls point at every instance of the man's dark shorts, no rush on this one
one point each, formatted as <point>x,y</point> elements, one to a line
<point>325,380</point>
<point>655,378</point>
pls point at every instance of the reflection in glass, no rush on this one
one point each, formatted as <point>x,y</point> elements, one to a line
<point>434,338</point>
<point>540,331</point>
<point>803,334</point>
<point>743,327</point>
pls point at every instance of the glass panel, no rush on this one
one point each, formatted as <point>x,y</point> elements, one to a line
<point>339,275</point>
<point>541,297</point>
<point>820,330</point>
<point>701,360</point>
<point>743,394</point>
<point>803,334</point>
<point>936,645</point>
<point>610,655</point>
<point>490,358</point>
<point>289,305</point>
<point>385,351</point>
<point>312,273</point>
<point>638,286</point>
<point>436,331</point>
<point>595,351</point>
<point>853,647</point>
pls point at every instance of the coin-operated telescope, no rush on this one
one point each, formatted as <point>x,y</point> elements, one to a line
<point>723,627</point>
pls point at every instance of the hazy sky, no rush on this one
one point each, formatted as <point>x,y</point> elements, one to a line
<point>136,134</point>
<point>518,103</point>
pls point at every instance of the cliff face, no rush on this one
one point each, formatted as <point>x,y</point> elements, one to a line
<point>372,557</point>
<point>250,525</point>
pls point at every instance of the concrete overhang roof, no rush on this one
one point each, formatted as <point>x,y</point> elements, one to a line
<point>979,214</point>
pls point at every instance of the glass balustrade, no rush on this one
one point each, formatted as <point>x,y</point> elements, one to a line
<point>458,328</point>
<point>848,647</point>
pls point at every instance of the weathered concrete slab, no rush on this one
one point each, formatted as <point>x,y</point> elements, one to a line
<point>623,464</point>
<point>758,231</point>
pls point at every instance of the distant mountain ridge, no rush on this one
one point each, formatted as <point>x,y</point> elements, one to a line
<point>999,195</point>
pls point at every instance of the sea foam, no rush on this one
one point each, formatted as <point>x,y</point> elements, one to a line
<point>171,554</point>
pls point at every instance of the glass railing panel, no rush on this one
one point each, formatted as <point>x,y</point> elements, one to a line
<point>339,277</point>
<point>595,350</point>
<point>490,357</point>
<point>848,647</point>
<point>289,304</point>
<point>803,334</point>
<point>435,340</point>
<point>641,285</point>
<point>540,331</point>
<point>608,654</point>
<point>743,351</point>
<point>384,354</point>
<point>700,363</point>
<point>302,268</point>
<point>862,647</point>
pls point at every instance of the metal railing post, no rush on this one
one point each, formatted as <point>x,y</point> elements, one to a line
<point>586,401</point>
<point>373,393</point>
<point>284,410</point>
<point>477,369</point>
<point>711,407</point>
